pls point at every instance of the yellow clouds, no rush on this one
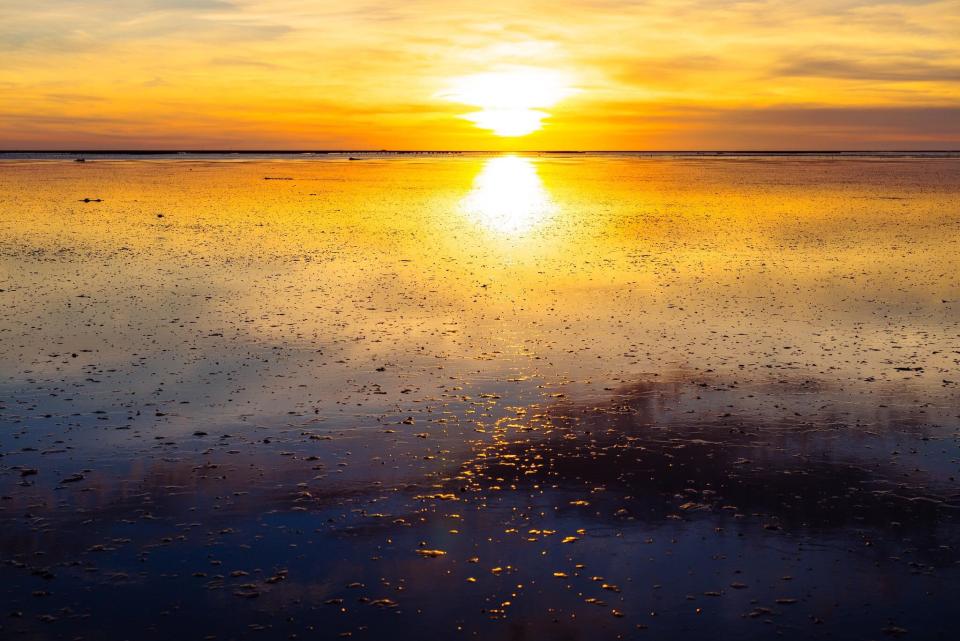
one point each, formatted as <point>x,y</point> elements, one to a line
<point>374,74</point>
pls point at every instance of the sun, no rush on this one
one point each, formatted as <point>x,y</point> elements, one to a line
<point>508,122</point>
<point>511,101</point>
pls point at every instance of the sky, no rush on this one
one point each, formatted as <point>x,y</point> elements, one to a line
<point>485,75</point>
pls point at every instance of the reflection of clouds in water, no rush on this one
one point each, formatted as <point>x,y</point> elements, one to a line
<point>508,196</point>
<point>660,476</point>
<point>656,448</point>
<point>658,451</point>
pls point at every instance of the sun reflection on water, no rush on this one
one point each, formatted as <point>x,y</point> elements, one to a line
<point>508,196</point>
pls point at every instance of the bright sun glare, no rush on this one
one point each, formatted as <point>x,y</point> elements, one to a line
<point>511,102</point>
<point>508,196</point>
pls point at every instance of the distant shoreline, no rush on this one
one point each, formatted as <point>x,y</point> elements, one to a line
<point>414,152</point>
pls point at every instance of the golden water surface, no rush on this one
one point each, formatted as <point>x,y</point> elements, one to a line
<point>584,270</point>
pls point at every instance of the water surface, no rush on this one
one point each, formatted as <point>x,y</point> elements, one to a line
<point>556,396</point>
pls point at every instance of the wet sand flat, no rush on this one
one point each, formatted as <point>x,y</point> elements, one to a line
<point>590,396</point>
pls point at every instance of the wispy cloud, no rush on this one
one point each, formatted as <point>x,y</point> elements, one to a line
<point>899,70</point>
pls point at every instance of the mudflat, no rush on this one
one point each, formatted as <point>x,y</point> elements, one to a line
<point>585,396</point>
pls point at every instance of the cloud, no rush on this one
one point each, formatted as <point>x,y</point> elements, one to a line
<point>894,71</point>
<point>61,26</point>
<point>230,61</point>
<point>929,123</point>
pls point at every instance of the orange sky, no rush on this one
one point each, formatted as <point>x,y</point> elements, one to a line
<point>452,74</point>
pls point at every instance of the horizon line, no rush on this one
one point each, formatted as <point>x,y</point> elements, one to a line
<point>466,151</point>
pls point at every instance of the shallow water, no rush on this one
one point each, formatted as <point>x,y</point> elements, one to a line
<point>521,397</point>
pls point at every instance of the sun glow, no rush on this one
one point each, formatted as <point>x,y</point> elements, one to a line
<point>511,102</point>
<point>508,196</point>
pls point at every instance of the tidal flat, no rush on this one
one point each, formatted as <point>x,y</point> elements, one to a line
<point>533,396</point>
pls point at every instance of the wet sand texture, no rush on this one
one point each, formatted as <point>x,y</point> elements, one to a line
<point>596,397</point>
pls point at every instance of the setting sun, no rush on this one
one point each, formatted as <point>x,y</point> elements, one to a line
<point>511,102</point>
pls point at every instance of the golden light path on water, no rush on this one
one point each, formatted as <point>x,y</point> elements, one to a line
<point>508,197</point>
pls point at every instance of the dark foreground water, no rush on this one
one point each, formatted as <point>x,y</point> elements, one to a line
<point>483,398</point>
